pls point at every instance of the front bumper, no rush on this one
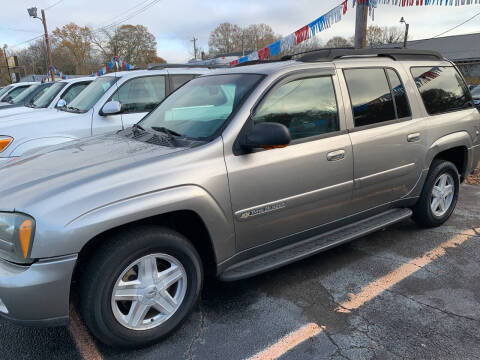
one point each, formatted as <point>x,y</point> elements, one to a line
<point>37,295</point>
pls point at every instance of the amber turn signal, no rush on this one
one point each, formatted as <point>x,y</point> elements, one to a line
<point>4,142</point>
<point>25,235</point>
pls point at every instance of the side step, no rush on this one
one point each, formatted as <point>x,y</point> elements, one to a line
<point>300,250</point>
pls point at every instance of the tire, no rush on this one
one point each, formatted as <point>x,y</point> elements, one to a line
<point>112,321</point>
<point>423,214</point>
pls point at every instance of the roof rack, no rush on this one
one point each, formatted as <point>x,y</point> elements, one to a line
<point>393,53</point>
<point>176,66</point>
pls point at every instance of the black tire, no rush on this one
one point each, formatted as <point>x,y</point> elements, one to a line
<point>422,212</point>
<point>107,264</point>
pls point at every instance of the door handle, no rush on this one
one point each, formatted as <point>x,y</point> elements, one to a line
<point>336,155</point>
<point>413,137</point>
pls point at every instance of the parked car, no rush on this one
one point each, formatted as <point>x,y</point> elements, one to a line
<point>471,87</point>
<point>26,96</point>
<point>236,173</point>
<point>12,90</point>
<point>110,103</point>
<point>64,89</point>
<point>476,96</point>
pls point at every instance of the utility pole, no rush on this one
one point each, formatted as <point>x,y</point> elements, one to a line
<point>6,62</point>
<point>361,26</point>
<point>407,27</point>
<point>33,13</point>
<point>194,40</point>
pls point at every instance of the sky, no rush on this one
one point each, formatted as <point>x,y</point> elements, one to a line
<point>175,22</point>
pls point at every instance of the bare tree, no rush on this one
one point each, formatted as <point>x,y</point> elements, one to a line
<point>226,38</point>
<point>377,36</point>
<point>338,42</point>
<point>257,36</point>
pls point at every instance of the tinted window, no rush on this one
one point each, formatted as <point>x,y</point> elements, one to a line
<point>442,89</point>
<point>73,91</point>
<point>201,107</point>
<point>399,94</point>
<point>370,95</point>
<point>307,107</point>
<point>15,92</point>
<point>46,98</point>
<point>141,94</point>
<point>179,80</point>
<point>5,90</point>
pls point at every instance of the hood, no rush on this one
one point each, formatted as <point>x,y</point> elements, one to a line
<point>16,111</point>
<point>32,117</point>
<point>65,169</point>
<point>3,104</point>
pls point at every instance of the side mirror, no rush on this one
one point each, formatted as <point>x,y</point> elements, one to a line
<point>267,135</point>
<point>61,103</point>
<point>111,108</point>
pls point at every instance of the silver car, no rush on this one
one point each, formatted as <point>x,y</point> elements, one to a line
<point>236,173</point>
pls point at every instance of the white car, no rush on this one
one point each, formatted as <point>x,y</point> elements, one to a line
<point>12,90</point>
<point>50,98</point>
<point>110,103</point>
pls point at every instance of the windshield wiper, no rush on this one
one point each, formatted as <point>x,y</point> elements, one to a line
<point>30,105</point>
<point>165,130</point>
<point>137,127</point>
<point>74,109</point>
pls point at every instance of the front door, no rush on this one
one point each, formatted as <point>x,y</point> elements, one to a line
<point>281,192</point>
<point>388,145</point>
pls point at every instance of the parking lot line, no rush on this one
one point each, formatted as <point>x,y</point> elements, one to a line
<point>289,342</point>
<point>378,286</point>
<point>84,342</point>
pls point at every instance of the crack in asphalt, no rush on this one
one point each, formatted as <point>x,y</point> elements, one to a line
<point>339,349</point>
<point>433,307</point>
<point>189,353</point>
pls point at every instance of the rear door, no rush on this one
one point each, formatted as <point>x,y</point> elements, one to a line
<point>282,192</point>
<point>388,143</point>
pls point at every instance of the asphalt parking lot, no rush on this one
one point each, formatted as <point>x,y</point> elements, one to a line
<point>399,293</point>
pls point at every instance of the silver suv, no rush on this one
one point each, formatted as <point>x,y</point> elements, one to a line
<point>236,173</point>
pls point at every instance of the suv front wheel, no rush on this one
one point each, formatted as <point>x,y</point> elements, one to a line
<point>439,195</point>
<point>140,286</point>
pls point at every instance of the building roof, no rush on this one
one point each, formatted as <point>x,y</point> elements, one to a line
<point>455,47</point>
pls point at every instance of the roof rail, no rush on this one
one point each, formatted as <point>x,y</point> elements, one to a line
<point>393,53</point>
<point>176,66</point>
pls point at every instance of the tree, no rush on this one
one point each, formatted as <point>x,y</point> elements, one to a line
<point>257,36</point>
<point>226,38</point>
<point>338,42</point>
<point>76,40</point>
<point>377,36</point>
<point>131,43</point>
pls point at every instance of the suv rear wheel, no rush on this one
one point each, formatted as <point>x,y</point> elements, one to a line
<point>439,195</point>
<point>140,286</point>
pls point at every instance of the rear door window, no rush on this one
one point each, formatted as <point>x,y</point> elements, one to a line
<point>399,94</point>
<point>441,88</point>
<point>307,107</point>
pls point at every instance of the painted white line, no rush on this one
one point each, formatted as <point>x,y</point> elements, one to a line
<point>84,342</point>
<point>289,342</point>
<point>378,286</point>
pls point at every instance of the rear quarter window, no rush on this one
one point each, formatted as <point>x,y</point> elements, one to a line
<point>441,88</point>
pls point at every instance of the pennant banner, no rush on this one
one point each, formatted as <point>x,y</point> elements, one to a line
<point>332,17</point>
<point>115,62</point>
<point>58,73</point>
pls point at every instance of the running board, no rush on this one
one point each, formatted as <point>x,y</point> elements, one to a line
<point>314,245</point>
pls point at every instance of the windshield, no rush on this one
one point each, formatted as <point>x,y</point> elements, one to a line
<point>91,94</point>
<point>5,89</point>
<point>476,91</point>
<point>44,99</point>
<point>201,107</point>
<point>24,94</point>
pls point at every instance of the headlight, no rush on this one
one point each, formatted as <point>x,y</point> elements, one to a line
<point>16,237</point>
<point>4,142</point>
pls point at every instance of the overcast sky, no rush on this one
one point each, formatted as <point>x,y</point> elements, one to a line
<point>175,22</point>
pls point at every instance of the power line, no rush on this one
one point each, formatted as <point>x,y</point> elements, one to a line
<point>149,3</point>
<point>54,4</point>
<point>443,33</point>
<point>26,41</point>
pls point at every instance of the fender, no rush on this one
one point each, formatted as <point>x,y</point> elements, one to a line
<point>96,221</point>
<point>32,146</point>
<point>456,139</point>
